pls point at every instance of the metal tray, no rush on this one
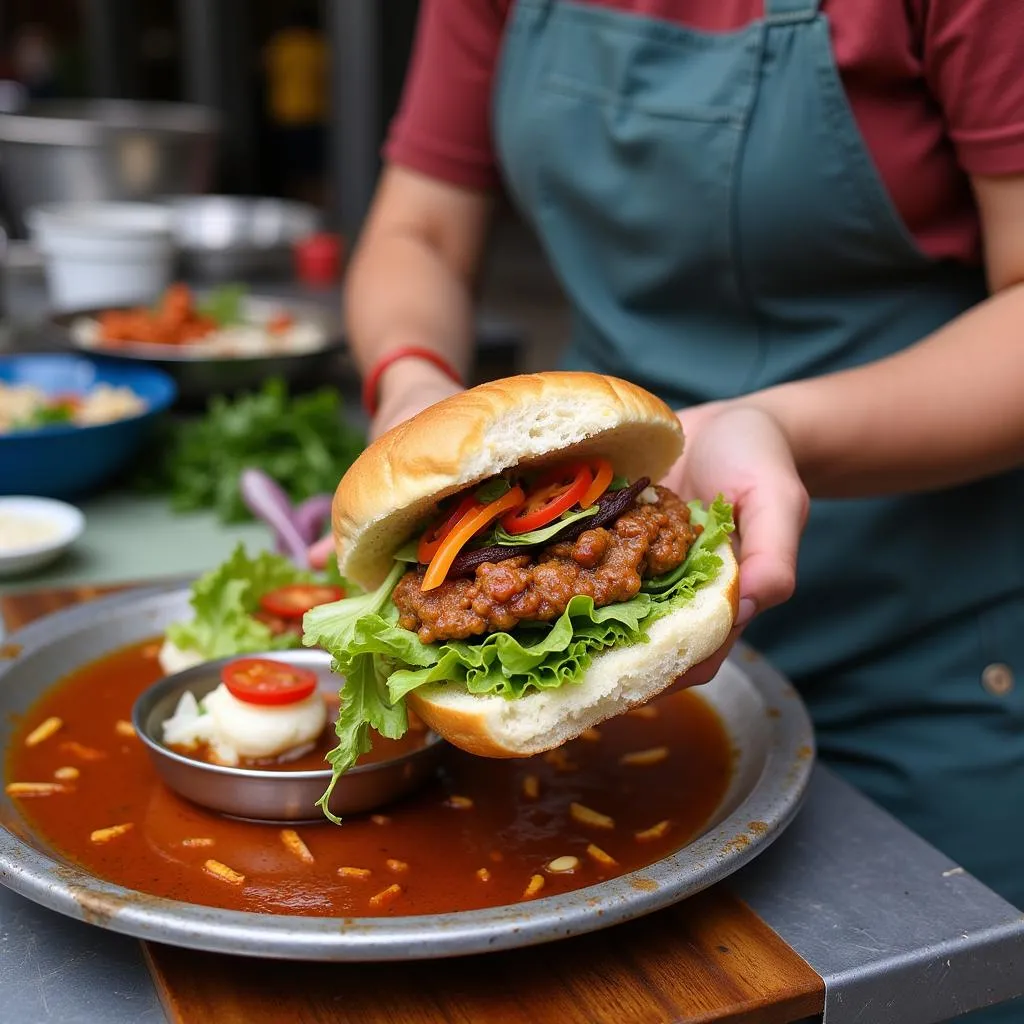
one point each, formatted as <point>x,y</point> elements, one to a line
<point>763,714</point>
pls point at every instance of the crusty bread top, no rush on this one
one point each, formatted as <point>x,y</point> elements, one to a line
<point>396,482</point>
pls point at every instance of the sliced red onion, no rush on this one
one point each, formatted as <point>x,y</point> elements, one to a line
<point>269,503</point>
<point>312,517</point>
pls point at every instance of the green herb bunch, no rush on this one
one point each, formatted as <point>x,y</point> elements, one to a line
<point>303,442</point>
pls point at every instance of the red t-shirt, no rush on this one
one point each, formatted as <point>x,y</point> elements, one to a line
<point>936,87</point>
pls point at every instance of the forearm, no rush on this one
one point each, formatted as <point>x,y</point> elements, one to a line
<point>945,411</point>
<point>412,277</point>
<point>401,292</point>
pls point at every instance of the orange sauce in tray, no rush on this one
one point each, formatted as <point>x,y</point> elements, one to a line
<point>486,833</point>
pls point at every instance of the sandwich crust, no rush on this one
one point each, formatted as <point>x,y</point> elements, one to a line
<point>396,483</point>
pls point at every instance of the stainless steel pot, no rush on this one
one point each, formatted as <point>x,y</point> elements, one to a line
<point>228,238</point>
<point>57,151</point>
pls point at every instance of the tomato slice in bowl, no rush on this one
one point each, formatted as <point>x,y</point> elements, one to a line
<point>294,600</point>
<point>268,682</point>
<point>555,492</point>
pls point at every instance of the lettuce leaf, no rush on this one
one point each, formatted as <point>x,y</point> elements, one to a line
<point>336,626</point>
<point>544,533</point>
<point>701,564</point>
<point>538,658</point>
<point>341,628</point>
<point>223,601</point>
<point>225,304</point>
<point>365,706</point>
<point>382,662</point>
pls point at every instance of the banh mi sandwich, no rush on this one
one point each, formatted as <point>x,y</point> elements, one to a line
<point>524,577</point>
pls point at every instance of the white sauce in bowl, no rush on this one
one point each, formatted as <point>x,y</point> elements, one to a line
<point>35,531</point>
<point>234,729</point>
<point>20,532</point>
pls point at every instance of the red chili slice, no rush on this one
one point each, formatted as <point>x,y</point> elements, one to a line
<point>603,476</point>
<point>293,601</point>
<point>556,492</point>
<point>434,535</point>
<point>268,682</point>
<point>471,523</point>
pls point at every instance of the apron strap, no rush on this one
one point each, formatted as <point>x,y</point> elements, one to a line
<point>782,12</point>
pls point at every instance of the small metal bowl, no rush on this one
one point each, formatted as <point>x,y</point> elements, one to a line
<point>279,795</point>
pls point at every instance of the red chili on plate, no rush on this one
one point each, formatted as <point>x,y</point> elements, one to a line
<point>265,681</point>
<point>293,601</point>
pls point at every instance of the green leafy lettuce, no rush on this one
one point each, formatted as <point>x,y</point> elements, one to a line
<point>223,602</point>
<point>225,304</point>
<point>544,533</point>
<point>382,662</point>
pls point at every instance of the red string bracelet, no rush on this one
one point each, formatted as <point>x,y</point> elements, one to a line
<point>372,378</point>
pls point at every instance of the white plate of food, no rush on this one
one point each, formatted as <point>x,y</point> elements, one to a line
<point>223,340</point>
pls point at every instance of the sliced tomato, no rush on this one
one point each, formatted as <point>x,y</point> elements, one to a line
<point>471,523</point>
<point>265,681</point>
<point>293,601</point>
<point>433,535</point>
<point>603,476</point>
<point>556,492</point>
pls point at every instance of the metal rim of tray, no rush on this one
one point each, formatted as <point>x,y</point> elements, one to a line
<point>745,832</point>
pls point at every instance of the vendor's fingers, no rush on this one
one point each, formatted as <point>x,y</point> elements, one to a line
<point>321,551</point>
<point>771,520</point>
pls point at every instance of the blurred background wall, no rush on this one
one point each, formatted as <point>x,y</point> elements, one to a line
<point>217,51</point>
<point>305,89</point>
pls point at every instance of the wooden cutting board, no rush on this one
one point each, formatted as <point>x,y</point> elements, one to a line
<point>707,959</point>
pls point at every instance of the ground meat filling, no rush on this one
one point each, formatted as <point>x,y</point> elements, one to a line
<point>607,564</point>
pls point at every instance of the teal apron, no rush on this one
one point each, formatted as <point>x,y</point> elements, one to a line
<point>719,226</point>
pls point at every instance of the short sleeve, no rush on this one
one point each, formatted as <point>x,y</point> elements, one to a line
<point>443,125</point>
<point>974,64</point>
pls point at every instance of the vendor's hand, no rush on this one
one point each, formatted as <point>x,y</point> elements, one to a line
<point>742,453</point>
<point>407,388</point>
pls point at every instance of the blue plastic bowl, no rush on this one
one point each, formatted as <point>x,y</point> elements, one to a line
<point>65,461</point>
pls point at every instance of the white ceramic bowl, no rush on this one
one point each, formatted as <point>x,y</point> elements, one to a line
<point>58,523</point>
<point>104,254</point>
